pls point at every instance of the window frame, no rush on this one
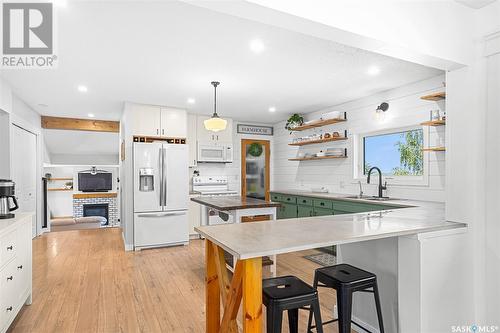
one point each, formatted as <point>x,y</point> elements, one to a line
<point>359,151</point>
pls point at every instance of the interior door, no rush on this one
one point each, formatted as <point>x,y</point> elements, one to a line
<point>24,171</point>
<point>255,165</point>
<point>176,176</point>
<point>147,159</point>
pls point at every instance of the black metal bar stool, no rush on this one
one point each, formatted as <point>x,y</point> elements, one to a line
<point>291,294</point>
<point>346,280</point>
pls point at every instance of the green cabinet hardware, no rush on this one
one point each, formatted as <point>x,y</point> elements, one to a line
<point>320,203</point>
<point>304,201</point>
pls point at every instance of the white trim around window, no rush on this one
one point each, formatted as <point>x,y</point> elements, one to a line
<point>358,158</point>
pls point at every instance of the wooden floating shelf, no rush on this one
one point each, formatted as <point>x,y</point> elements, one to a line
<point>434,123</point>
<point>63,178</point>
<point>59,189</point>
<point>311,142</point>
<point>315,158</point>
<point>318,123</point>
<point>95,195</point>
<point>434,97</point>
<point>434,149</point>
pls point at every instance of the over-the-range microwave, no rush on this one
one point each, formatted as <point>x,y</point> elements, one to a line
<point>215,153</point>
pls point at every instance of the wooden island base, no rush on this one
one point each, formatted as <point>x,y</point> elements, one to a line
<point>245,285</point>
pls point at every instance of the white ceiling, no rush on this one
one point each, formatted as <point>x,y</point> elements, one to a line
<point>64,142</point>
<point>475,4</point>
<point>164,53</point>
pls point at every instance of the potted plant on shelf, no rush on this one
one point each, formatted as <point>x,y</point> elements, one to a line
<point>294,121</point>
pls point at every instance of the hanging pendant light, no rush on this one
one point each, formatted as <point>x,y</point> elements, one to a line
<point>216,123</point>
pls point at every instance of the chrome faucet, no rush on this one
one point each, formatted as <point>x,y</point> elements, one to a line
<point>360,189</point>
<point>381,187</point>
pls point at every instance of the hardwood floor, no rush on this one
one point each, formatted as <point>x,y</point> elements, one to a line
<point>83,281</point>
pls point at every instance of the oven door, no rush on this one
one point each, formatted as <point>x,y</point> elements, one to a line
<point>211,153</point>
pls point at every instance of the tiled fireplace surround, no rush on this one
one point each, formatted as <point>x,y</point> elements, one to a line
<point>97,198</point>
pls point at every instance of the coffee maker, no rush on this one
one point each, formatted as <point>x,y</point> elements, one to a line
<point>6,192</point>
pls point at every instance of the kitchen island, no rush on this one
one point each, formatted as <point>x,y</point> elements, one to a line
<point>426,245</point>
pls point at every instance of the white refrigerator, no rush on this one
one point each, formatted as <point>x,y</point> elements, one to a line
<point>161,194</point>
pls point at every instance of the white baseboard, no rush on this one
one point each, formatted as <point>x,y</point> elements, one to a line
<point>128,247</point>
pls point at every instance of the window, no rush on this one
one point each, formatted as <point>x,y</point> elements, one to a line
<point>398,154</point>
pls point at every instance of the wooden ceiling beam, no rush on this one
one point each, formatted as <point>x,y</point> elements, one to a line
<point>76,124</point>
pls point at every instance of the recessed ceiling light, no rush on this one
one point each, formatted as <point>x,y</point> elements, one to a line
<point>373,70</point>
<point>82,88</point>
<point>91,115</point>
<point>257,46</point>
<point>272,109</point>
<point>191,100</point>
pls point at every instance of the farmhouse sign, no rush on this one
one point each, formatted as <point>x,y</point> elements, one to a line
<point>254,129</point>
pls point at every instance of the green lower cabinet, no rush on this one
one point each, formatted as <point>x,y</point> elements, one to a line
<point>340,212</point>
<point>322,211</point>
<point>287,211</point>
<point>304,211</point>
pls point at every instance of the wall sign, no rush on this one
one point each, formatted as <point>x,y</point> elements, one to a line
<point>254,129</point>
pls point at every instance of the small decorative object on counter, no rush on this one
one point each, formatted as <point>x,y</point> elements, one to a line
<point>336,134</point>
<point>68,185</point>
<point>327,136</point>
<point>294,121</point>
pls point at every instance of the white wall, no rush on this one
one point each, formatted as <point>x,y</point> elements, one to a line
<point>61,203</point>
<point>232,170</point>
<point>84,159</point>
<point>406,109</point>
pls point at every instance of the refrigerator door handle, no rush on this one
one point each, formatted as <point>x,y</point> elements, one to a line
<point>164,170</point>
<point>162,214</point>
<point>160,167</point>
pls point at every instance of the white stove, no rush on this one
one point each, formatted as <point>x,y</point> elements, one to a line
<point>213,186</point>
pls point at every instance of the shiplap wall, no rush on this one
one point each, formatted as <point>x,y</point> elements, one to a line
<point>406,109</point>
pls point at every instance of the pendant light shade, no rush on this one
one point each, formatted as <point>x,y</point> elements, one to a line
<point>216,123</point>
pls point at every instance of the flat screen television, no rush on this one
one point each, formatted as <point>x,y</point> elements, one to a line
<point>100,182</point>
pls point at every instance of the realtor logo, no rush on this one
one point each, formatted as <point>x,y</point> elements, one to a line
<point>28,35</point>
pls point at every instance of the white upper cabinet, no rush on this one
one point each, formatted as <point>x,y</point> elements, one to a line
<point>205,136</point>
<point>146,120</point>
<point>158,121</point>
<point>173,123</point>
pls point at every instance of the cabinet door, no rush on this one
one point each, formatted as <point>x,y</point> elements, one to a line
<point>225,136</point>
<point>173,123</point>
<point>304,211</point>
<point>146,120</point>
<point>322,211</point>
<point>192,139</point>
<point>287,211</point>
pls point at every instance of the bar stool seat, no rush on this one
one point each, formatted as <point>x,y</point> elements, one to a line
<point>346,280</point>
<point>288,293</point>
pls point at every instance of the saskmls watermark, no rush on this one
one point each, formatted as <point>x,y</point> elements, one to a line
<point>474,328</point>
<point>28,35</point>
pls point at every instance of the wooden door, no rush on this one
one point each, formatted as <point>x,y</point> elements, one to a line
<point>255,165</point>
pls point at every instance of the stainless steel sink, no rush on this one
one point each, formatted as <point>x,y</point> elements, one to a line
<point>367,197</point>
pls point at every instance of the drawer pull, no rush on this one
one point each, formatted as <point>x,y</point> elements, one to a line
<point>20,267</point>
<point>10,248</point>
<point>9,308</point>
<point>322,203</point>
<point>304,201</point>
<point>287,199</point>
<point>10,278</point>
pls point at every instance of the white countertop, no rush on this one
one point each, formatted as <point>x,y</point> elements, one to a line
<point>250,240</point>
<point>6,223</point>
